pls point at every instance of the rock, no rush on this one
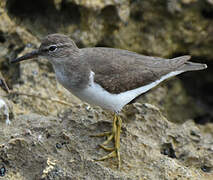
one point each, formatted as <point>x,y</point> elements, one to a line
<point>141,26</point>
<point>49,136</point>
<point>145,140</point>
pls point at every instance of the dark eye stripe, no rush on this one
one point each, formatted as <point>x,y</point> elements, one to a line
<point>45,49</point>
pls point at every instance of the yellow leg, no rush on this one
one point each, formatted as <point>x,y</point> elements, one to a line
<point>115,134</point>
<point>117,140</point>
<point>110,135</point>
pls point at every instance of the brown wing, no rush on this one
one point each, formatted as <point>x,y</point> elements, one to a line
<point>121,70</point>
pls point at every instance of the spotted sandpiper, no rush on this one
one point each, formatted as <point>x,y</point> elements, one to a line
<point>107,77</point>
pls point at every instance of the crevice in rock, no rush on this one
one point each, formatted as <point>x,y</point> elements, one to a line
<point>42,17</point>
<point>110,14</point>
<point>203,119</point>
<point>39,16</point>
<point>101,44</point>
<point>111,18</point>
<point>2,38</point>
<point>206,10</point>
<point>71,12</point>
<point>167,149</point>
<point>137,15</point>
<point>28,8</point>
<point>207,13</point>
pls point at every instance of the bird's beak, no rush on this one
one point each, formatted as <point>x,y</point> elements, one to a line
<point>30,55</point>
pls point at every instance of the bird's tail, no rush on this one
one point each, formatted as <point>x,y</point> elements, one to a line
<point>184,65</point>
<point>191,66</point>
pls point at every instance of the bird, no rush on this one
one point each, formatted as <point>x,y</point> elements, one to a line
<point>107,77</point>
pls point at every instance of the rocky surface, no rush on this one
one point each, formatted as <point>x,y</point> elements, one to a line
<point>61,148</point>
<point>166,135</point>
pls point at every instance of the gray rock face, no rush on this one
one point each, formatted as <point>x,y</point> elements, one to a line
<point>61,148</point>
<point>49,136</point>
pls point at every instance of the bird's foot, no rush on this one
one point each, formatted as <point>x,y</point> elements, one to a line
<point>115,152</point>
<point>109,135</point>
<point>115,134</point>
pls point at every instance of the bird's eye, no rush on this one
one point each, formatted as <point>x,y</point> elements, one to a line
<point>52,48</point>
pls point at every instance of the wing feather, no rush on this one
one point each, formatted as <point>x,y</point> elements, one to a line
<point>119,70</point>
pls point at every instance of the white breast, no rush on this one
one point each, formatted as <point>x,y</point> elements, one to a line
<point>96,95</point>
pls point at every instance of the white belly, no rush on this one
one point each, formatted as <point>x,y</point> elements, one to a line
<point>94,94</point>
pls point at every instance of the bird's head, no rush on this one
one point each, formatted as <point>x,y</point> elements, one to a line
<point>54,47</point>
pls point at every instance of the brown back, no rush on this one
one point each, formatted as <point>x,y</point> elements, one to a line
<point>121,70</point>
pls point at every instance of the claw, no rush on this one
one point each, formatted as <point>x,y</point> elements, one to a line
<point>106,148</point>
<point>115,134</point>
<point>110,155</point>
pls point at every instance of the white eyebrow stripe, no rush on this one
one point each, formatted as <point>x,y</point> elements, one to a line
<point>62,44</point>
<point>59,45</point>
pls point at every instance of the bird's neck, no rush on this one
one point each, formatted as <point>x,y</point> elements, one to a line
<point>72,73</point>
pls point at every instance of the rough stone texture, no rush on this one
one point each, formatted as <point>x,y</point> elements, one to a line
<point>161,136</point>
<point>39,147</point>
